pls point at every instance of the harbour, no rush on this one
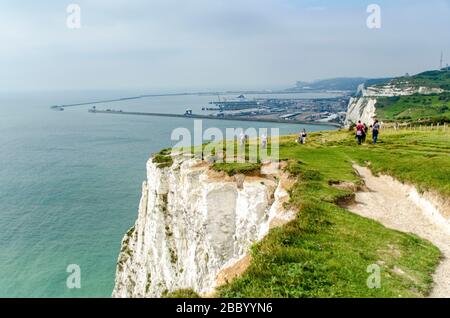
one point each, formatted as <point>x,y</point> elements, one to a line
<point>210,117</point>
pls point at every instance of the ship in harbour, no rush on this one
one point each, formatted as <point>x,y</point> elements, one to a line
<point>235,104</point>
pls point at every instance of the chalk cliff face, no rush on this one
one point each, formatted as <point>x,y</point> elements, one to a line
<point>403,89</point>
<point>361,108</point>
<point>192,224</point>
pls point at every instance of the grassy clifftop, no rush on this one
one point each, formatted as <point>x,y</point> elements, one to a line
<point>326,250</point>
<point>432,79</point>
<point>432,108</point>
<point>418,108</point>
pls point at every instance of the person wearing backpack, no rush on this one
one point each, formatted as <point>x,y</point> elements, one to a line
<point>375,131</point>
<point>359,132</point>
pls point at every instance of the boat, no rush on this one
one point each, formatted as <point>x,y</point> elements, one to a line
<point>236,104</point>
<point>56,107</point>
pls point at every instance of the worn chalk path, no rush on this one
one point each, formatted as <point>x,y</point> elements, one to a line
<point>399,206</point>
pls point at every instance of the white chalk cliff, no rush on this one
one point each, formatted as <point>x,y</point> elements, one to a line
<point>361,108</point>
<point>193,223</point>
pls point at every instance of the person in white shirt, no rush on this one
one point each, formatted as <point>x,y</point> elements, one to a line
<point>263,141</point>
<point>242,139</point>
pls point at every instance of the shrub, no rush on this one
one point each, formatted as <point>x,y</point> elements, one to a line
<point>182,293</point>
<point>163,159</point>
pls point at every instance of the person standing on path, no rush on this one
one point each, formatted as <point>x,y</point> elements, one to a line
<point>263,141</point>
<point>359,132</point>
<point>375,131</point>
<point>365,132</point>
<point>303,136</point>
<point>242,139</point>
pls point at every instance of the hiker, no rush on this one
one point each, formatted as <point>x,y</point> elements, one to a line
<point>242,139</point>
<point>359,132</point>
<point>263,141</point>
<point>364,134</point>
<point>375,131</point>
<point>303,136</point>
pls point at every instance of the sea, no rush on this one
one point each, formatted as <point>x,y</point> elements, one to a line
<point>70,182</point>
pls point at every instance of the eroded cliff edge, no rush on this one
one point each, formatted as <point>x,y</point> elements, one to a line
<point>195,223</point>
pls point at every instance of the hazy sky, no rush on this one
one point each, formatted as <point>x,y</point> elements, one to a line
<point>214,44</point>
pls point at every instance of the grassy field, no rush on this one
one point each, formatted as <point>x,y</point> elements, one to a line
<point>326,250</point>
<point>235,168</point>
<point>434,79</point>
<point>415,107</point>
<point>423,108</point>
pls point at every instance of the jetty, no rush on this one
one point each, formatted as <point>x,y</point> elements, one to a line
<point>190,115</point>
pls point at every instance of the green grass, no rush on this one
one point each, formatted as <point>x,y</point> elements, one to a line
<point>182,293</point>
<point>237,168</point>
<point>439,79</point>
<point>326,250</point>
<point>418,157</point>
<point>230,157</point>
<point>414,108</point>
<point>163,159</point>
<point>433,79</point>
<point>424,108</point>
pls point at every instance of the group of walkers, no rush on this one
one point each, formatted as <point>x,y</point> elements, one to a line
<point>362,131</point>
<point>244,138</point>
<point>361,135</point>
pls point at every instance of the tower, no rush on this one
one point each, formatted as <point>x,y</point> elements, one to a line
<point>442,60</point>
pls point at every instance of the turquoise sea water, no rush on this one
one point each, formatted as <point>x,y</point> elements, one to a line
<point>70,184</point>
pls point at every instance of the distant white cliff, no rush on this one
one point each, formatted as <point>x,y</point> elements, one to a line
<point>194,224</point>
<point>363,107</point>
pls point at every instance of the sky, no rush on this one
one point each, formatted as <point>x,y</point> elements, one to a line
<point>188,45</point>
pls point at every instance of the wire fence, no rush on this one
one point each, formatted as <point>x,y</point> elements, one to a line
<point>415,127</point>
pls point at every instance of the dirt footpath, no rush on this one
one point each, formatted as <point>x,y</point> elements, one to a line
<point>401,207</point>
